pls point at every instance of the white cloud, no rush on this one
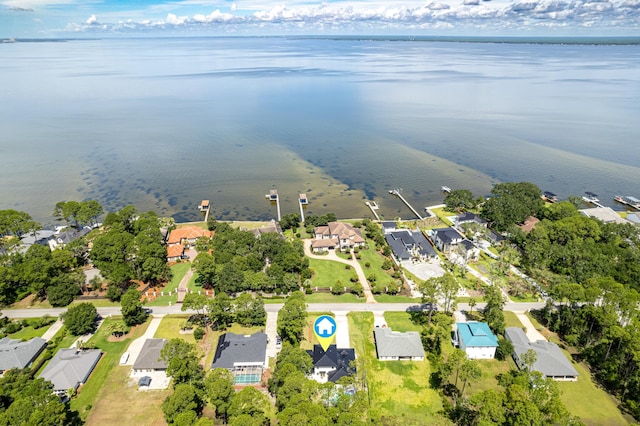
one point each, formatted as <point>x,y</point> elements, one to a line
<point>374,16</point>
<point>92,20</point>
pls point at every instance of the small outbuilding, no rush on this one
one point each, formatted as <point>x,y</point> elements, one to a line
<point>397,346</point>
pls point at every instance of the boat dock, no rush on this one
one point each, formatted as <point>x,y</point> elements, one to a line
<point>397,192</point>
<point>591,198</point>
<point>628,200</point>
<point>373,206</point>
<point>206,208</point>
<point>302,201</point>
<point>273,196</point>
<point>445,189</point>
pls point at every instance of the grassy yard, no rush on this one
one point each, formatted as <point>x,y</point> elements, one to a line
<point>169,328</point>
<point>593,405</point>
<point>401,321</point>
<point>330,298</point>
<point>375,260</point>
<point>91,396</point>
<point>511,320</point>
<point>28,333</point>
<point>328,272</point>
<point>309,336</point>
<point>179,270</point>
<point>399,390</point>
<point>442,215</point>
<point>490,369</point>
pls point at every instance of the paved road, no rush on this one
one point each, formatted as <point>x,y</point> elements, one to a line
<point>275,307</point>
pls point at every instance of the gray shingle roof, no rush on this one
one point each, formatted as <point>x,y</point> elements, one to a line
<point>149,357</point>
<point>338,358</point>
<point>17,354</point>
<point>395,344</point>
<point>550,360</point>
<point>70,367</point>
<point>237,349</point>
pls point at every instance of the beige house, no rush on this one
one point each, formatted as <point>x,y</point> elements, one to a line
<point>337,235</point>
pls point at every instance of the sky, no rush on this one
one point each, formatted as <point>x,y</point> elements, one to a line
<point>101,18</point>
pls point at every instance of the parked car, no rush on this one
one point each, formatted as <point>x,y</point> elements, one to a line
<point>278,342</point>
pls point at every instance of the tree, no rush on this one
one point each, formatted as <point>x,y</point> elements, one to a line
<point>292,318</point>
<point>493,313</point>
<point>430,291</point>
<point>183,399</point>
<point>511,203</point>
<point>250,401</point>
<point>459,199</point>
<point>205,265</point>
<point>63,290</point>
<point>194,301</point>
<point>132,310</point>
<point>13,222</point>
<point>117,328</point>
<point>249,311</point>
<point>220,310</point>
<point>80,319</point>
<point>469,371</point>
<point>182,362</point>
<point>219,390</point>
<point>472,303</point>
<point>290,221</point>
<point>31,401</point>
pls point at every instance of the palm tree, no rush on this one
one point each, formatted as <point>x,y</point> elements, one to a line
<point>472,304</point>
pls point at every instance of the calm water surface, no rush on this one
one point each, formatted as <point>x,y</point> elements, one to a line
<point>164,123</point>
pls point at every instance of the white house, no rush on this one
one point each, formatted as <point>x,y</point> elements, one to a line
<point>476,340</point>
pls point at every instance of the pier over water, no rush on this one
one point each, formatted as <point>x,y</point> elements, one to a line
<point>397,192</point>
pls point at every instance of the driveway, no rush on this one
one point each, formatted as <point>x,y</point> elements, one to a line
<point>136,346</point>
<point>424,270</point>
<point>55,327</point>
<point>342,329</point>
<point>352,262</point>
<point>532,334</point>
<point>271,331</point>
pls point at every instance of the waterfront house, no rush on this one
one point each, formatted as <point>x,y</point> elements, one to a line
<point>476,340</point>
<point>187,235</point>
<point>406,244</point>
<point>272,227</point>
<point>550,361</point>
<point>469,217</point>
<point>446,238</point>
<point>64,237</point>
<point>528,224</point>
<point>245,356</point>
<point>343,236</point>
<point>605,214</point>
<point>396,346</point>
<point>332,364</point>
<point>70,368</point>
<point>18,354</point>
<point>175,252</point>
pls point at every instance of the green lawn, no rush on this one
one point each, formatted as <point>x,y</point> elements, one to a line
<point>375,260</point>
<point>169,328</point>
<point>330,298</point>
<point>387,298</point>
<point>401,321</point>
<point>593,405</point>
<point>310,338</point>
<point>490,369</point>
<point>28,333</point>
<point>88,394</point>
<point>399,390</point>
<point>442,215</point>
<point>328,272</point>
<point>511,320</point>
<point>179,270</point>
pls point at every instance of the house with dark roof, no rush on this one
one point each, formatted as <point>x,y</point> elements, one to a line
<point>388,226</point>
<point>445,238</point>
<point>469,217</point>
<point>476,340</point>
<point>395,346</point>
<point>148,359</point>
<point>332,364</point>
<point>18,354</point>
<point>550,361</point>
<point>272,227</point>
<point>70,368</point>
<point>344,236</point>
<point>244,355</point>
<point>406,244</point>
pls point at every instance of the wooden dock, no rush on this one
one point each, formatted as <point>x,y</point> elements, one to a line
<point>273,196</point>
<point>373,206</point>
<point>397,192</point>
<point>628,200</point>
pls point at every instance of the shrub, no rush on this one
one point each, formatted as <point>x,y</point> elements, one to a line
<point>347,267</point>
<point>372,278</point>
<point>367,265</point>
<point>198,333</point>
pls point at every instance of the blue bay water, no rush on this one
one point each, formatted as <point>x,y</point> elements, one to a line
<point>164,123</point>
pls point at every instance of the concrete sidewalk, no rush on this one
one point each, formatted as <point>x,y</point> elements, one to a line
<point>55,327</point>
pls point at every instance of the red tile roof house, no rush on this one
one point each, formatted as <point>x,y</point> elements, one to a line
<point>175,252</point>
<point>187,235</point>
<point>336,235</point>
